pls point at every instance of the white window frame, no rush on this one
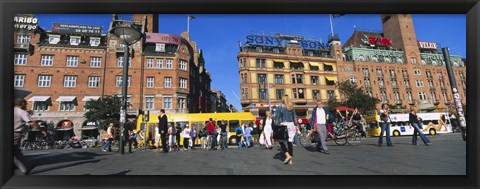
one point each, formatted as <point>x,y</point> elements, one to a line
<point>66,106</point>
<point>40,106</point>
<point>53,39</point>
<point>183,65</point>
<point>183,83</point>
<point>19,80</point>
<point>20,59</point>
<point>419,83</point>
<point>383,96</point>
<point>95,62</point>
<point>149,63</point>
<point>150,82</point>
<point>160,63</point>
<point>94,41</point>
<point>118,81</point>
<point>159,47</point>
<point>417,72</point>
<point>167,102</point>
<point>44,80</point>
<point>167,82</point>
<point>409,96</point>
<point>93,81</point>
<point>169,64</point>
<point>413,59</point>
<point>75,40</point>
<point>181,103</point>
<point>149,102</point>
<point>422,96</point>
<point>23,39</point>
<point>47,60</point>
<point>70,81</point>
<point>72,61</point>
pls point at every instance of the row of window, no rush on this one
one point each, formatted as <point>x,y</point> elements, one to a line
<point>94,81</point>
<point>158,64</point>
<point>261,63</point>
<point>74,40</point>
<point>421,96</point>
<point>298,93</point>
<point>279,79</point>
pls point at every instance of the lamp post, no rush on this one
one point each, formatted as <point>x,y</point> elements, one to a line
<point>127,34</point>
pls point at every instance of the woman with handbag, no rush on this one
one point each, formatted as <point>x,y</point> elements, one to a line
<point>108,139</point>
<point>285,115</point>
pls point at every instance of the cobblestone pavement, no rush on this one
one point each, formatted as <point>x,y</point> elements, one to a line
<point>446,156</point>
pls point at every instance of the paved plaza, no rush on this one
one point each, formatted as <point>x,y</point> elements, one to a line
<point>446,156</point>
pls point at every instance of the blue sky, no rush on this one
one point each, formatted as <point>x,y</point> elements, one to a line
<point>218,35</point>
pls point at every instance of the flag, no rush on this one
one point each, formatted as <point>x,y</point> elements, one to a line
<point>337,15</point>
<point>190,17</point>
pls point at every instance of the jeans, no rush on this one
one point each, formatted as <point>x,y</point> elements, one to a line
<point>422,136</point>
<point>249,139</point>
<point>239,141</point>
<point>213,137</point>
<point>108,143</point>
<point>223,138</point>
<point>385,127</point>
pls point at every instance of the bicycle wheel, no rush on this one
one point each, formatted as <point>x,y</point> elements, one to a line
<point>305,139</point>
<point>340,141</point>
<point>354,138</point>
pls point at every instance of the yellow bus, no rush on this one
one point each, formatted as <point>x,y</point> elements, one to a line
<point>199,120</point>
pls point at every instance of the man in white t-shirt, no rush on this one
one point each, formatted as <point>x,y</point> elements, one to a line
<point>319,120</point>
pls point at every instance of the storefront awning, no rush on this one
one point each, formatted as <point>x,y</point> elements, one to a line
<point>88,98</point>
<point>39,98</point>
<point>314,64</point>
<point>278,60</point>
<point>328,64</point>
<point>331,78</point>
<point>66,98</point>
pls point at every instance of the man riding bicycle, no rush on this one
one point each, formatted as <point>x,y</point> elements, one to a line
<point>320,117</point>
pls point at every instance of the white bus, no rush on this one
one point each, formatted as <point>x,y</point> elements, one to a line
<point>430,122</point>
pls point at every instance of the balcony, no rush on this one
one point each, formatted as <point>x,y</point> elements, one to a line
<point>405,76</point>
<point>411,102</point>
<point>443,87</point>
<point>436,102</point>
<point>121,50</point>
<point>432,87</point>
<point>398,102</point>
<point>25,47</point>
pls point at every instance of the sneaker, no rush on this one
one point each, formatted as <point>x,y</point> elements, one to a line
<point>326,152</point>
<point>104,150</point>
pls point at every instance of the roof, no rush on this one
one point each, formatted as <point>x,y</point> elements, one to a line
<point>358,37</point>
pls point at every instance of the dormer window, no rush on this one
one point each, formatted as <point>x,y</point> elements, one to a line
<point>53,39</point>
<point>95,41</point>
<point>160,47</point>
<point>75,40</point>
<point>259,49</point>
<point>276,50</point>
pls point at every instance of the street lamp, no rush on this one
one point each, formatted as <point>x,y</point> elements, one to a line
<point>127,34</point>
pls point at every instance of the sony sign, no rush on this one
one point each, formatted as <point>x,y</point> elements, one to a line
<point>25,22</point>
<point>280,42</point>
<point>427,45</point>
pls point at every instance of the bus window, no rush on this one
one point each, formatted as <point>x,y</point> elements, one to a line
<point>232,125</point>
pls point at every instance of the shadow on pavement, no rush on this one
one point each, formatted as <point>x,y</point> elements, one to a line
<point>64,166</point>
<point>61,158</point>
<point>121,173</point>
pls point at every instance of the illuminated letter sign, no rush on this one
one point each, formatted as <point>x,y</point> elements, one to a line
<point>25,22</point>
<point>379,41</point>
<point>427,45</point>
<point>280,42</point>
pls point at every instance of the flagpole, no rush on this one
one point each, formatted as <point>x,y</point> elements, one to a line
<point>188,24</point>
<point>331,25</point>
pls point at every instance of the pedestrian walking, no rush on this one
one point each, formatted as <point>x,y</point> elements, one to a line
<point>157,139</point>
<point>127,134</point>
<point>385,125</point>
<point>321,117</point>
<point>285,115</point>
<point>108,137</point>
<point>267,129</point>
<point>178,130</point>
<point>212,134</point>
<point>186,137</point>
<point>163,129</point>
<point>193,135</point>
<point>239,134</point>
<point>414,122</point>
<point>223,135</point>
<point>248,136</point>
<point>21,122</point>
<point>172,134</point>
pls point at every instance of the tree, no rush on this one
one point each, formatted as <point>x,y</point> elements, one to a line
<point>104,111</point>
<point>356,97</point>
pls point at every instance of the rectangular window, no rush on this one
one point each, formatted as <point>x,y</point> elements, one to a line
<point>183,83</point>
<point>119,81</point>
<point>169,64</point>
<point>299,78</point>
<point>407,83</point>
<point>181,103</point>
<point>422,96</point>
<point>392,73</point>
<point>261,63</point>
<point>314,68</point>
<point>94,41</point>
<point>278,65</point>
<point>20,59</point>
<point>95,62</point>
<point>316,94</point>
<point>263,94</point>
<point>280,93</point>
<point>394,83</point>
<point>331,94</point>
<point>301,93</point>
<point>295,95</point>
<point>70,81</point>
<point>149,63</point>
<point>365,72</point>
<point>93,81</point>
<point>383,95</point>
<point>44,80</point>
<point>278,79</point>
<point>329,81</point>
<point>74,40</point>
<point>67,106</point>
<point>262,78</point>
<point>53,39</point>
<point>160,47</point>
<point>409,96</point>
<point>150,82</point>
<point>379,73</point>
<point>149,102</point>
<point>417,72</point>
<point>419,83</point>
<point>72,61</point>
<point>367,82</point>
<point>380,83</point>
<point>183,65</point>
<point>168,82</point>
<point>397,96</point>
<point>310,53</point>
<point>19,80</point>
<point>434,97</point>
<point>40,106</point>
<point>160,63</point>
<point>276,50</point>
<point>328,68</point>
<point>167,102</point>
<point>414,60</point>
<point>315,80</point>
<point>22,39</point>
<point>370,93</point>
<point>47,60</point>
<point>259,49</point>
<point>444,94</point>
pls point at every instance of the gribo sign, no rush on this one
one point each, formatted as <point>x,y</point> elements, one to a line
<point>26,22</point>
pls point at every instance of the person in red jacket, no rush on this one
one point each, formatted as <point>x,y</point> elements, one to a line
<point>212,134</point>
